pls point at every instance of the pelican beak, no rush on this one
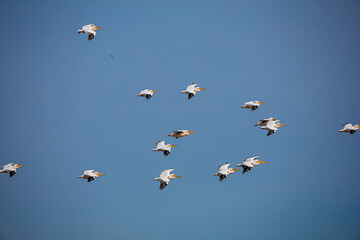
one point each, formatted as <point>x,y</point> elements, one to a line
<point>192,132</point>
<point>235,169</point>
<point>98,28</point>
<point>101,174</point>
<point>20,165</point>
<point>202,89</point>
<point>154,91</point>
<point>173,145</point>
<point>262,103</point>
<point>177,176</point>
<point>283,125</point>
<point>261,161</point>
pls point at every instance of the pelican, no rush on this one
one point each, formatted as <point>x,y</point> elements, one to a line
<point>90,30</point>
<point>191,90</point>
<point>249,163</point>
<point>10,168</point>
<point>160,146</point>
<point>263,122</point>
<point>146,93</point>
<point>348,127</point>
<point>180,133</point>
<point>165,177</point>
<point>252,104</point>
<point>272,127</point>
<point>90,175</point>
<point>224,171</point>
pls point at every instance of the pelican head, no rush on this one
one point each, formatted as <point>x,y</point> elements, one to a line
<point>232,170</point>
<point>99,174</point>
<point>257,162</point>
<point>278,125</point>
<point>357,127</point>
<point>258,102</point>
<point>95,27</point>
<point>17,166</point>
<point>170,146</point>
<point>172,176</point>
<point>197,89</point>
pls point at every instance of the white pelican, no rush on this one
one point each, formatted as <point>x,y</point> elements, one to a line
<point>160,146</point>
<point>272,127</point>
<point>249,163</point>
<point>252,104</point>
<point>180,133</point>
<point>263,122</point>
<point>224,171</point>
<point>90,175</point>
<point>191,90</point>
<point>10,168</point>
<point>348,127</point>
<point>90,30</point>
<point>146,93</point>
<point>165,177</point>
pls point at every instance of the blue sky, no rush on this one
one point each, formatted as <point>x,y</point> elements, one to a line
<point>67,106</point>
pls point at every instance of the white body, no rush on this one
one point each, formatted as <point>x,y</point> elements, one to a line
<point>253,105</point>
<point>348,127</point>
<point>249,163</point>
<point>191,90</point>
<point>263,122</point>
<point>180,133</point>
<point>147,93</point>
<point>165,177</point>
<point>162,147</point>
<point>224,171</point>
<point>272,127</point>
<point>90,30</point>
<point>10,168</point>
<point>90,175</point>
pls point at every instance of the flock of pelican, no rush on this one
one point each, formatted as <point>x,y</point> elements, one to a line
<point>270,124</point>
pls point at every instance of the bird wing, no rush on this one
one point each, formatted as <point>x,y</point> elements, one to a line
<point>145,91</point>
<point>160,144</point>
<point>9,166</point>
<point>224,168</point>
<point>88,172</point>
<point>191,88</point>
<point>271,125</point>
<point>165,174</point>
<point>347,125</point>
<point>179,131</point>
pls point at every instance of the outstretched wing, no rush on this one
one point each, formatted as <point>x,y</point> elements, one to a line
<point>224,168</point>
<point>163,185</point>
<point>160,144</point>
<point>165,174</point>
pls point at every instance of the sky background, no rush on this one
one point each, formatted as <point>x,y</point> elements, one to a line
<point>67,106</point>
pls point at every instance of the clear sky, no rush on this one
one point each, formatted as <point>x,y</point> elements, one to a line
<point>67,106</point>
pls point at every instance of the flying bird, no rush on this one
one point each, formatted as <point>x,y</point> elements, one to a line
<point>180,133</point>
<point>90,30</point>
<point>252,104</point>
<point>272,127</point>
<point>224,171</point>
<point>348,127</point>
<point>263,122</point>
<point>160,146</point>
<point>165,177</point>
<point>90,175</point>
<point>191,90</point>
<point>249,163</point>
<point>147,93</point>
<point>10,168</point>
